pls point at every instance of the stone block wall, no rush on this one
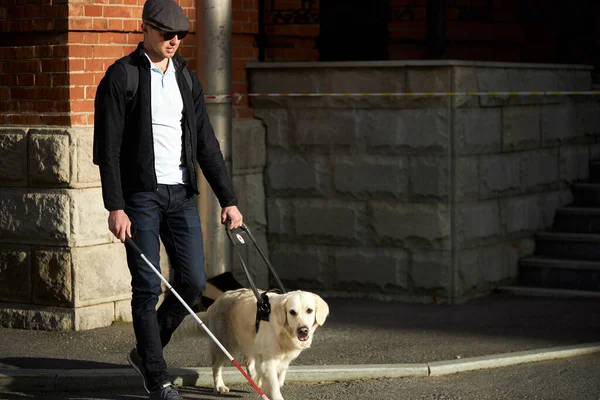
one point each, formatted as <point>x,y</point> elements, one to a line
<point>60,267</point>
<point>423,198</point>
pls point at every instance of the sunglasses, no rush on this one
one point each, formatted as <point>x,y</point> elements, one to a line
<point>169,35</point>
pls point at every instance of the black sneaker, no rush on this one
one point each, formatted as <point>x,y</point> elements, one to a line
<point>136,363</point>
<point>167,392</point>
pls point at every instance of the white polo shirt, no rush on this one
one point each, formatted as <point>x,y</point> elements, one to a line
<point>167,113</point>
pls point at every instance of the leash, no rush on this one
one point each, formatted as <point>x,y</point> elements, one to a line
<point>263,306</point>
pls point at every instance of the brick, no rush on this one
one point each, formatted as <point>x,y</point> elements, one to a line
<point>298,265</point>
<point>90,92</point>
<point>24,119</point>
<point>410,225</point>
<point>15,274</point>
<point>123,311</point>
<point>429,178</point>
<point>49,158</point>
<point>41,318</point>
<point>76,10</point>
<point>326,220</point>
<point>84,106</point>
<point>81,79</point>
<point>521,128</point>
<point>81,120</point>
<point>366,267</point>
<point>558,124</point>
<point>478,130</point>
<point>324,127</point>
<point>100,273</point>
<point>107,52</point>
<point>500,174</point>
<point>13,157</point>
<point>76,93</point>
<point>80,24</point>
<point>92,11</point>
<point>477,223</point>
<point>26,216</point>
<point>93,317</point>
<point>79,51</point>
<point>119,12</point>
<point>251,195</point>
<point>430,270</point>
<point>100,24</point>
<point>371,176</point>
<point>55,120</point>
<point>131,25</point>
<point>52,277</point>
<point>404,131</point>
<point>540,168</point>
<point>248,144</point>
<point>45,24</point>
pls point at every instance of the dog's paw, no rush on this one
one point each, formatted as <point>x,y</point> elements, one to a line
<point>223,389</point>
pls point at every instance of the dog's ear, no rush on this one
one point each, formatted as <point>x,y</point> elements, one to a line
<point>278,309</point>
<point>322,309</point>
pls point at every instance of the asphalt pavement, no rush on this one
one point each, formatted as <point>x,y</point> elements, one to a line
<point>361,339</point>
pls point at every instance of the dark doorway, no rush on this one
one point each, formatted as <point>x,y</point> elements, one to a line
<point>353,30</point>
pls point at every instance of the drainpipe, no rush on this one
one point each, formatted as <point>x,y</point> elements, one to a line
<point>213,59</point>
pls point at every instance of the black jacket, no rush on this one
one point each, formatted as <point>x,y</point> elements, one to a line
<point>123,142</point>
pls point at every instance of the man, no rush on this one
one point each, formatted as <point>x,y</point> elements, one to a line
<point>146,143</point>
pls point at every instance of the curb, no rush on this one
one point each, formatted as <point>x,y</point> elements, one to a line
<point>64,380</point>
<point>548,292</point>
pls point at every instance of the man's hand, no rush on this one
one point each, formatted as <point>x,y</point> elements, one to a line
<point>119,224</point>
<point>232,214</point>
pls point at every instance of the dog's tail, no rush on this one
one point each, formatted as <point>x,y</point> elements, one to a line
<point>189,327</point>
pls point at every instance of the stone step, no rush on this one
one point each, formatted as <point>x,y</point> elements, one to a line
<point>577,220</point>
<point>586,194</point>
<point>595,171</point>
<point>559,274</point>
<point>568,246</point>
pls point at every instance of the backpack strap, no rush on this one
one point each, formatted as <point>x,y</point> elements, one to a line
<point>188,78</point>
<point>133,79</point>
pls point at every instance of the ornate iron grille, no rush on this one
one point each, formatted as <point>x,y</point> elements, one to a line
<point>276,14</point>
<point>279,12</point>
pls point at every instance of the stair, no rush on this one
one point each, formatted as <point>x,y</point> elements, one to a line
<point>571,274</point>
<point>568,255</point>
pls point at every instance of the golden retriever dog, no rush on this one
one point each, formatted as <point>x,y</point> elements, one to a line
<point>294,318</point>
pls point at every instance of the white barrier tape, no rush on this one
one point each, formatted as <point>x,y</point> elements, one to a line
<point>428,94</point>
<point>221,98</point>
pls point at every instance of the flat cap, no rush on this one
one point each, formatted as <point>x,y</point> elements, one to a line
<point>166,15</point>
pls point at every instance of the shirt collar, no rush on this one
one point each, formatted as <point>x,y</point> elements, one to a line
<point>170,66</point>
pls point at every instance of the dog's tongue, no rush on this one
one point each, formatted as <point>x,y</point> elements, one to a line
<point>303,338</point>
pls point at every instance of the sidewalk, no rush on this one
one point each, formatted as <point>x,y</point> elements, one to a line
<point>361,339</point>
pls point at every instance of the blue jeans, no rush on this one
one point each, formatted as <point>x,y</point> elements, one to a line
<point>171,214</point>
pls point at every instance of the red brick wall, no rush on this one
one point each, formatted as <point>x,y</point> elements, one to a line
<point>34,83</point>
<point>54,53</point>
<point>50,77</point>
